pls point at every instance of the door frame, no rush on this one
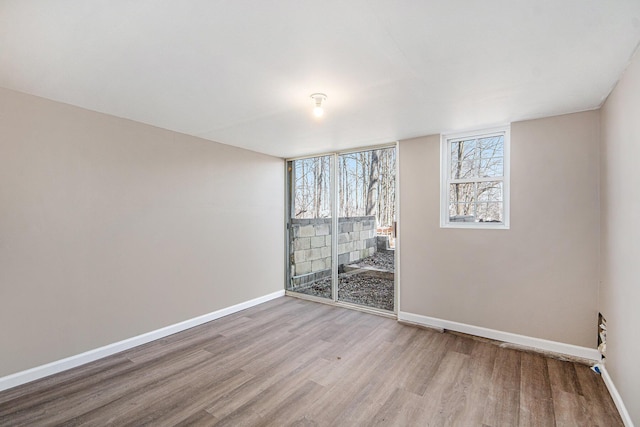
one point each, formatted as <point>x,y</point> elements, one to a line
<point>334,227</point>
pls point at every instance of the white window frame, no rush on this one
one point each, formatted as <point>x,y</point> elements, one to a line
<point>445,176</point>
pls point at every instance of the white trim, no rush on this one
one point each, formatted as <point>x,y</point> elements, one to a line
<point>42,371</point>
<point>523,340</point>
<point>346,151</point>
<point>396,260</point>
<point>476,132</point>
<point>617,399</point>
<point>335,224</point>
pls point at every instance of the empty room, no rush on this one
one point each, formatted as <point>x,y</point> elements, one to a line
<point>337,213</point>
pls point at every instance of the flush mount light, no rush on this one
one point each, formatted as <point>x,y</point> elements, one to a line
<point>318,99</point>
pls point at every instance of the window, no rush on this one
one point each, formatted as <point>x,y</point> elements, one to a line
<point>475,179</point>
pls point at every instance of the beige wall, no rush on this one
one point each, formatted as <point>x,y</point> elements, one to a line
<point>111,228</point>
<point>538,278</point>
<point>620,239</point>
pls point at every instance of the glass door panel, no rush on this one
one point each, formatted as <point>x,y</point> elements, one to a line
<point>366,228</point>
<point>309,226</point>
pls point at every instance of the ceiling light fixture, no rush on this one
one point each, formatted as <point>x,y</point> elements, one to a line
<point>318,99</point>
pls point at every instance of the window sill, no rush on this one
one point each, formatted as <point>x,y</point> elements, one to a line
<point>477,226</point>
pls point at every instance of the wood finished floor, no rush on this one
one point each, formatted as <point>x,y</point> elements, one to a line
<point>295,362</point>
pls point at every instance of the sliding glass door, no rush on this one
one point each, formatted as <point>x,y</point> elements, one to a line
<point>341,227</point>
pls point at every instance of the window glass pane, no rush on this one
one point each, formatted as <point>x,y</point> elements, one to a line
<point>464,159</point>
<point>491,154</point>
<point>452,210</point>
<point>493,166</point>
<point>461,212</point>
<point>464,170</point>
<point>490,191</point>
<point>461,202</point>
<point>492,146</point>
<point>462,193</point>
<point>489,212</point>
<point>311,188</point>
<point>463,149</point>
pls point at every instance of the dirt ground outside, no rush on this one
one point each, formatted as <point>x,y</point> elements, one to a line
<point>368,282</point>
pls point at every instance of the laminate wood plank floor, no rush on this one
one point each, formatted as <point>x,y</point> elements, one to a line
<point>300,363</point>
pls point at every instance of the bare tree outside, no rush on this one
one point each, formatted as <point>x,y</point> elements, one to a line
<point>477,168</point>
<point>311,187</point>
<point>366,186</point>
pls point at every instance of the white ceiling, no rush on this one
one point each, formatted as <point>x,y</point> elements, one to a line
<point>241,72</point>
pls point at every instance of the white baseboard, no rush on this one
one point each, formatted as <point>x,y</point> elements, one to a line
<point>617,399</point>
<point>42,371</point>
<point>523,340</point>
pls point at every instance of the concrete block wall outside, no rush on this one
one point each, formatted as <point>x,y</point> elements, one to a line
<point>312,242</point>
